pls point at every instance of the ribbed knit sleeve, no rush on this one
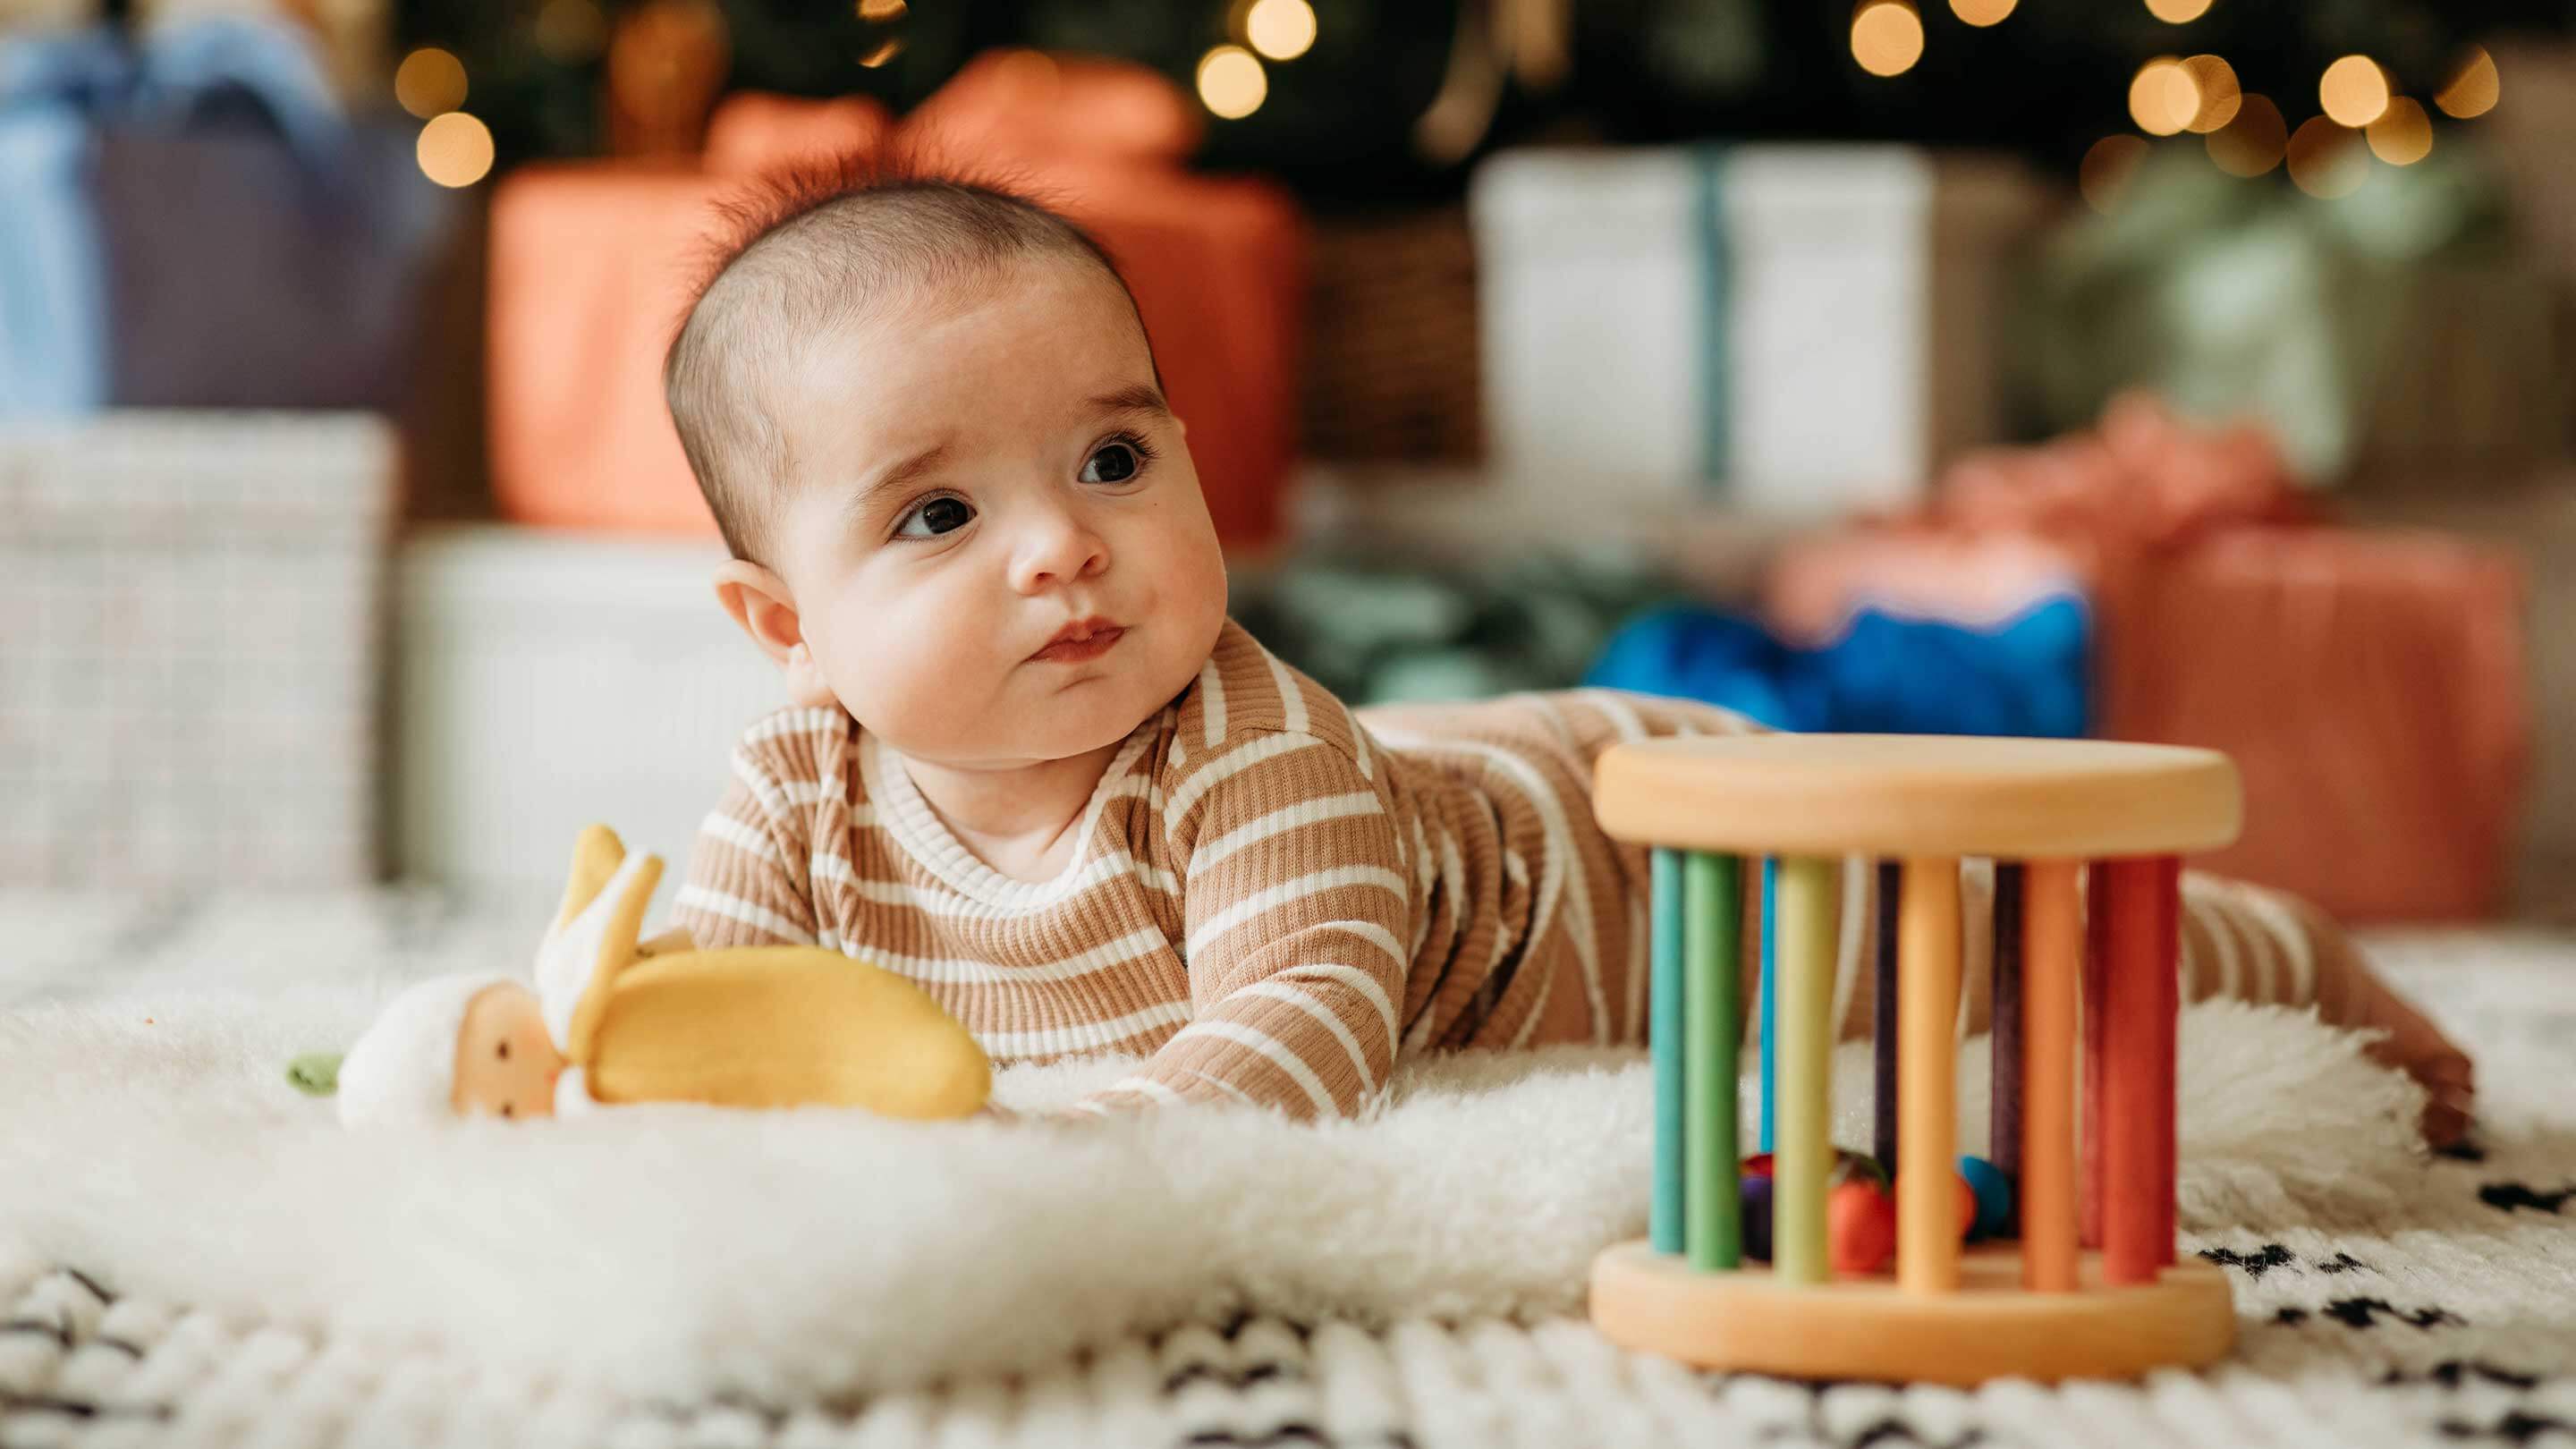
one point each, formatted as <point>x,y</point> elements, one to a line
<point>1298,910</point>
<point>748,880</point>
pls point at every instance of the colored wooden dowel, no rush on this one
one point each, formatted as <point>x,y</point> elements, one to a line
<point>1712,942</point>
<point>2003,1138</point>
<point>1803,1152</point>
<point>2093,1011</point>
<point>2137,1111</point>
<point>1770,1002</point>
<point>1927,1016</point>
<point>2052,961</point>
<point>2168,1014</point>
<point>1885,1142</point>
<point>1664,1030</point>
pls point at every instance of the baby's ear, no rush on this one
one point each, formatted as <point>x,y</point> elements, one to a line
<point>758,601</point>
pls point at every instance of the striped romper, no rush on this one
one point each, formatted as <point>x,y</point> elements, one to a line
<point>1274,897</point>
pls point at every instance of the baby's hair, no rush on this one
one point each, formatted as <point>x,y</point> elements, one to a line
<point>810,249</point>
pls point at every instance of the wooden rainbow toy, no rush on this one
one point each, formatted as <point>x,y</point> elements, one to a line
<point>2087,837</point>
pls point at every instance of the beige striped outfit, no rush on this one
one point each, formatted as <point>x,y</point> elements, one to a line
<point>1273,898</point>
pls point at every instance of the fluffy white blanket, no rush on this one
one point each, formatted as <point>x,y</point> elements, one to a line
<point>154,1142</point>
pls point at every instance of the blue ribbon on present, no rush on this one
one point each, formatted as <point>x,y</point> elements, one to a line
<point>1886,674</point>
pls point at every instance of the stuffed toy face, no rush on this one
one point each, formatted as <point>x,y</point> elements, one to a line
<point>506,1063</point>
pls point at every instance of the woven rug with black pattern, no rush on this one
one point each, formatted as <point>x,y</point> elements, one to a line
<point>2447,1315</point>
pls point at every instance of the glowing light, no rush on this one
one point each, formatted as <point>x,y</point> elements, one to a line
<point>2215,90</point>
<point>2177,12</point>
<point>455,150</point>
<point>429,82</point>
<point>1982,12</point>
<point>2163,97</point>
<point>2106,170</point>
<point>2324,161</point>
<point>878,12</point>
<point>1231,83</point>
<point>2474,87</point>
<point>2254,142</point>
<point>1280,29</point>
<point>879,53</point>
<point>2353,91</point>
<point>569,31</point>
<point>2403,134</point>
<point>1887,37</point>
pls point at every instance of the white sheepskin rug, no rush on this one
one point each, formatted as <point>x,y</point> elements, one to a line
<point>153,1141</point>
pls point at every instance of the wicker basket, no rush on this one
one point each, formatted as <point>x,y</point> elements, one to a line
<point>1391,371</point>
<point>189,671</point>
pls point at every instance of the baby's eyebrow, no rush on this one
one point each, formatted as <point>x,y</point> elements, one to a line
<point>895,480</point>
<point>1137,398</point>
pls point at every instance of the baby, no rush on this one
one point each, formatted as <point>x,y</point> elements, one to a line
<point>1035,769</point>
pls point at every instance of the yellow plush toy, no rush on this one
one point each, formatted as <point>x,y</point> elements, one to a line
<point>612,1019</point>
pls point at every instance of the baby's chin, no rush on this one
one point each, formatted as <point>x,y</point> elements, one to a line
<point>1055,729</point>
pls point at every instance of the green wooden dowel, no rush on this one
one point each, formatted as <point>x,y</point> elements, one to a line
<point>1712,935</point>
<point>1664,1035</point>
<point>1803,1154</point>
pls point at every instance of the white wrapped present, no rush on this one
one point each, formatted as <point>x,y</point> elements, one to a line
<point>1796,329</point>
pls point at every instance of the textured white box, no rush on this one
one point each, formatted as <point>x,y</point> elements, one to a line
<point>1797,329</point>
<point>550,679</point>
<point>191,625</point>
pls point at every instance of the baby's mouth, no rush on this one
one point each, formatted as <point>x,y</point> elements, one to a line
<point>1084,639</point>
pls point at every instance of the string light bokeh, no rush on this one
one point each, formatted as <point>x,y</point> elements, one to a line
<point>455,149</point>
<point>1886,37</point>
<point>1232,84</point>
<point>2253,142</point>
<point>430,82</point>
<point>2473,88</point>
<point>2353,91</point>
<point>2177,12</point>
<point>1280,29</point>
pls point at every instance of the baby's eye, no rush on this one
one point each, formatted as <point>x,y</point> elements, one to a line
<point>509,1109</point>
<point>1113,463</point>
<point>934,517</point>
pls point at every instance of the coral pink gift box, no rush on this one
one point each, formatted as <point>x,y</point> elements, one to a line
<point>591,265</point>
<point>2371,685</point>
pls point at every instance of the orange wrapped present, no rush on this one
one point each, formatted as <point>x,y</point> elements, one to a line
<point>591,263</point>
<point>2371,686</point>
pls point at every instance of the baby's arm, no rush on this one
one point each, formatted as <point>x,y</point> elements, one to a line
<point>746,885</point>
<point>1298,900</point>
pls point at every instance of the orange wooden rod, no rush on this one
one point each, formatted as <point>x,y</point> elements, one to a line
<point>2137,1107</point>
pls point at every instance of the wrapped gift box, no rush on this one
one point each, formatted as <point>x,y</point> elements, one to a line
<point>2371,685</point>
<point>591,266</point>
<point>1805,329</point>
<point>188,682</point>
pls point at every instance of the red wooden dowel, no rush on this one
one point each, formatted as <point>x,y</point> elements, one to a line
<point>2094,1011</point>
<point>2137,1097</point>
<point>2168,977</point>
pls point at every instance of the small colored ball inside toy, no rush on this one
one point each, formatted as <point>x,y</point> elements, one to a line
<point>1860,1228</point>
<point>1994,1189</point>
<point>1757,1218</point>
<point>1758,1165</point>
<point>1850,1166</point>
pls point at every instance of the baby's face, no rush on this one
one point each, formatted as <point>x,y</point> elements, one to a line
<point>974,477</point>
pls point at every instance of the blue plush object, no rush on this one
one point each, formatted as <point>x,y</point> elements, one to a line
<point>1994,1190</point>
<point>1887,674</point>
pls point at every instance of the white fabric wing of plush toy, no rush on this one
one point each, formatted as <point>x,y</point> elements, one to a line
<point>570,953</point>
